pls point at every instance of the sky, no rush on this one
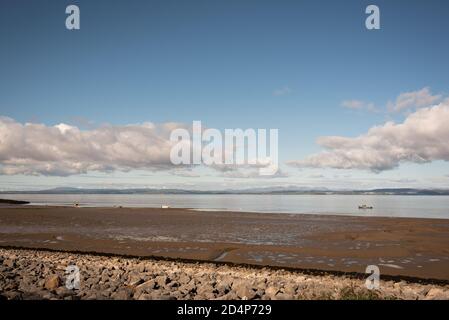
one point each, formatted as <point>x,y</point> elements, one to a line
<point>355,108</point>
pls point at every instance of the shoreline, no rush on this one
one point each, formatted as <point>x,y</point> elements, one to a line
<point>213,210</point>
<point>40,274</point>
<point>401,247</point>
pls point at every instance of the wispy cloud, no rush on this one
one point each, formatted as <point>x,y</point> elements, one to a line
<point>253,174</point>
<point>359,105</point>
<point>413,100</point>
<point>282,91</point>
<point>405,102</point>
<point>186,173</point>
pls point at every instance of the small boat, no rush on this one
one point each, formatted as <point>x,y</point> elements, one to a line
<point>76,205</point>
<point>165,206</point>
<point>364,206</point>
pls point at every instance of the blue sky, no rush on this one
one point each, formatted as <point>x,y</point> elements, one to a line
<point>248,64</point>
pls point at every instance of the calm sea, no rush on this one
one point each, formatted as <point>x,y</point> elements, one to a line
<point>388,205</point>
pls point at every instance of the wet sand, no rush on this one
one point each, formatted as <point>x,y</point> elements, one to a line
<point>405,247</point>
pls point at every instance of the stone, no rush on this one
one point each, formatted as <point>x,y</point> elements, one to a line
<point>9,263</point>
<point>271,292</point>
<point>52,282</point>
<point>105,277</point>
<point>290,289</point>
<point>145,296</point>
<point>121,295</point>
<point>437,294</point>
<point>147,285</point>
<point>163,297</point>
<point>134,279</point>
<point>222,288</point>
<point>243,290</point>
<point>184,278</point>
<point>12,295</point>
<point>188,288</point>
<point>63,292</point>
<point>30,275</point>
<point>283,296</point>
<point>229,296</point>
<point>162,280</point>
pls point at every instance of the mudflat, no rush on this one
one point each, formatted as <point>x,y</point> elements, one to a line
<point>408,247</point>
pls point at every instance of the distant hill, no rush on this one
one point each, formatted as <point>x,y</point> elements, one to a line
<point>268,190</point>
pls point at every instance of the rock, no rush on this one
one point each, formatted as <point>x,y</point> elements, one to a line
<point>145,297</point>
<point>184,278</point>
<point>163,297</point>
<point>134,279</point>
<point>162,280</point>
<point>9,263</point>
<point>52,282</point>
<point>229,296</point>
<point>13,295</point>
<point>29,274</point>
<point>222,288</point>
<point>290,289</point>
<point>204,292</point>
<point>283,296</point>
<point>243,290</point>
<point>437,294</point>
<point>147,285</point>
<point>63,292</point>
<point>271,292</point>
<point>121,295</point>
<point>188,288</point>
<point>105,277</point>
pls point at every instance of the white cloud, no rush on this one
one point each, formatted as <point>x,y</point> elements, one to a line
<point>413,100</point>
<point>422,137</point>
<point>62,150</point>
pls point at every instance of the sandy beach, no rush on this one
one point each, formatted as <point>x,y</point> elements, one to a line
<point>401,247</point>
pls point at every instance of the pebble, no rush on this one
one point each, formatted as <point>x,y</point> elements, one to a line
<point>101,277</point>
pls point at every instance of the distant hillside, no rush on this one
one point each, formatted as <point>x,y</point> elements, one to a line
<point>277,190</point>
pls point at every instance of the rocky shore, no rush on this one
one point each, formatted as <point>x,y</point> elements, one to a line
<point>33,274</point>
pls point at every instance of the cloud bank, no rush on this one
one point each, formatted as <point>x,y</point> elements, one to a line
<point>422,137</point>
<point>63,150</point>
